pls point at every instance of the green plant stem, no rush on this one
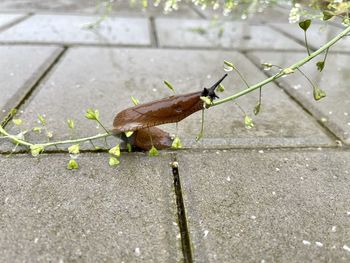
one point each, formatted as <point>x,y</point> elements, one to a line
<point>103,127</point>
<point>74,141</point>
<point>241,76</point>
<point>325,56</point>
<point>307,78</point>
<point>306,44</point>
<point>281,73</point>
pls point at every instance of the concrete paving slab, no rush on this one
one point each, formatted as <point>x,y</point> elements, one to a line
<point>278,206</point>
<point>7,19</point>
<point>70,29</point>
<point>317,35</point>
<point>95,214</point>
<point>120,7</point>
<point>49,5</point>
<point>105,79</point>
<point>334,110</point>
<point>21,67</point>
<point>270,14</point>
<point>208,34</point>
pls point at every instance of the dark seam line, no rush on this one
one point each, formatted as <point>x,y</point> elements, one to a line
<point>15,22</point>
<point>153,32</point>
<point>181,213</point>
<point>34,86</point>
<point>184,149</point>
<point>197,11</point>
<point>343,148</point>
<point>331,135</point>
<point>134,46</point>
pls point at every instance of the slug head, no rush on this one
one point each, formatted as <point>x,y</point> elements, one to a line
<point>211,91</point>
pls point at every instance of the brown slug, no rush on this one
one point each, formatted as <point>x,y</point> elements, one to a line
<point>168,110</point>
<point>142,139</point>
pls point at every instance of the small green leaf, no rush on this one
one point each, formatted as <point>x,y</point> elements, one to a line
<point>128,133</point>
<point>37,129</point>
<point>153,152</point>
<point>248,122</point>
<point>327,15</point>
<point>176,143</point>
<point>36,149</point>
<point>42,119</point>
<point>92,114</point>
<point>267,66</point>
<point>318,93</point>
<point>17,122</point>
<point>206,100</point>
<point>129,146</point>
<point>167,83</point>
<point>134,100</point>
<point>228,66</point>
<point>70,123</point>
<point>257,108</point>
<point>115,150</point>
<point>72,165</point>
<point>288,71</point>
<point>346,21</point>
<point>220,88</point>
<point>113,161</point>
<point>304,25</point>
<point>320,65</point>
<point>74,149</point>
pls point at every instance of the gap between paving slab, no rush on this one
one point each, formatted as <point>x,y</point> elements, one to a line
<point>11,20</point>
<point>21,92</point>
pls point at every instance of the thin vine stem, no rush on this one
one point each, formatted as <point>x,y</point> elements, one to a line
<point>282,73</point>
<point>306,44</point>
<point>73,141</point>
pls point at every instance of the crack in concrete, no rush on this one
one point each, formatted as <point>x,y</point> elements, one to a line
<point>181,213</point>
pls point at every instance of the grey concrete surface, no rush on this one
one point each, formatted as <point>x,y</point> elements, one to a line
<point>276,206</point>
<point>334,109</point>
<point>71,29</point>
<point>7,19</point>
<point>114,75</point>
<point>247,205</point>
<point>48,5</point>
<point>317,35</point>
<point>119,7</point>
<point>209,34</point>
<point>270,14</point>
<point>21,67</point>
<point>96,214</point>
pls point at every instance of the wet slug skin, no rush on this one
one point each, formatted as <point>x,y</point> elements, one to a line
<point>168,110</point>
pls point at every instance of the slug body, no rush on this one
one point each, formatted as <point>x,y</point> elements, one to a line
<point>168,110</point>
<point>142,139</point>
